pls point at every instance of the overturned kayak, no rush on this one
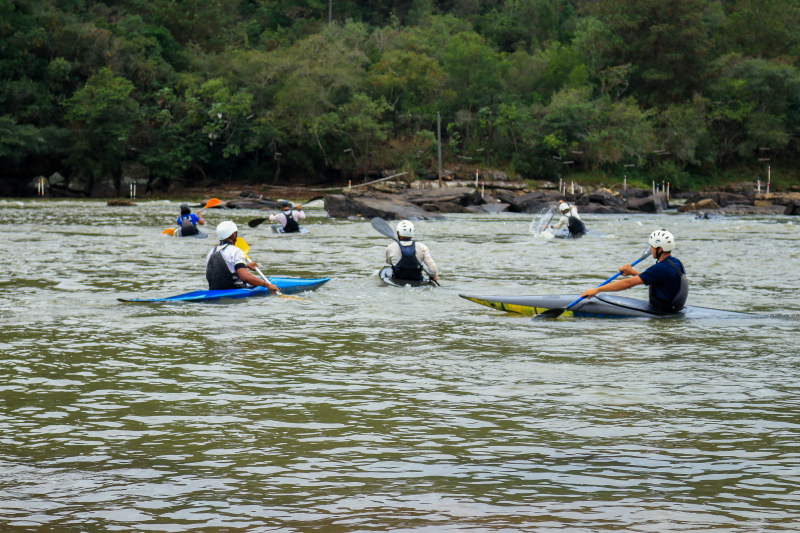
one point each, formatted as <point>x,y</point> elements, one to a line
<point>386,276</point>
<point>286,285</point>
<point>601,306</point>
<point>277,228</point>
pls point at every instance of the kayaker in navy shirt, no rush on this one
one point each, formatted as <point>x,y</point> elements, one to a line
<point>667,281</point>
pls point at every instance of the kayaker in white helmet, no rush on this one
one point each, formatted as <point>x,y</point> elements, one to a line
<point>571,218</point>
<point>667,281</point>
<point>288,217</point>
<point>409,258</point>
<point>226,266</point>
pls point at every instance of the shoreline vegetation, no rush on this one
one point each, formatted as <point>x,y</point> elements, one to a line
<point>99,97</point>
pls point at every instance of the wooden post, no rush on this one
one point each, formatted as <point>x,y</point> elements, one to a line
<point>439,137</point>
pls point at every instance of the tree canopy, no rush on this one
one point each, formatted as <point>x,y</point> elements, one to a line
<point>261,90</point>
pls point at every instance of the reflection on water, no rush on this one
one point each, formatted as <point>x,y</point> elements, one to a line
<point>364,407</point>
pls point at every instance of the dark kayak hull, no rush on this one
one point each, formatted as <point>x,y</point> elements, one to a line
<point>286,285</point>
<point>386,276</point>
<point>198,235</point>
<point>277,228</point>
<point>602,306</point>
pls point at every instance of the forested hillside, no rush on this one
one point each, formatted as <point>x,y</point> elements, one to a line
<point>265,90</point>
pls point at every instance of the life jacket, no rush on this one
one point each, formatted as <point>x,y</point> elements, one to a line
<point>409,266</point>
<point>575,225</point>
<point>291,224</point>
<point>188,227</point>
<point>679,300</point>
<point>218,274</point>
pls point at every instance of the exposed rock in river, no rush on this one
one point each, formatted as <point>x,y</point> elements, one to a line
<point>371,204</point>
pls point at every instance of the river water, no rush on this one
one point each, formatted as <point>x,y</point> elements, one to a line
<point>369,408</point>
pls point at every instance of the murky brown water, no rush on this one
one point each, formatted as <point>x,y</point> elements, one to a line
<point>369,408</point>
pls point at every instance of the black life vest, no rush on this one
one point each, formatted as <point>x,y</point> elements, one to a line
<point>188,227</point>
<point>575,225</point>
<point>679,300</point>
<point>291,224</point>
<point>218,274</point>
<point>409,266</point>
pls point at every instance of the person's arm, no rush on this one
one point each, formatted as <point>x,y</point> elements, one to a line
<point>427,261</point>
<point>273,218</point>
<point>619,285</point>
<point>200,219</point>
<point>251,279</point>
<point>299,215</point>
<point>560,223</point>
<point>393,254</point>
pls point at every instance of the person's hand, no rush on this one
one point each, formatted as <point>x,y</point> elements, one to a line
<point>546,226</point>
<point>298,206</point>
<point>627,270</point>
<point>252,265</point>
<point>591,292</point>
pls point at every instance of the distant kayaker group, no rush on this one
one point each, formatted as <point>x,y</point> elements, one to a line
<point>228,267</point>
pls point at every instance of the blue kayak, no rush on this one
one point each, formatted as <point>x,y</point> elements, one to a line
<point>286,285</point>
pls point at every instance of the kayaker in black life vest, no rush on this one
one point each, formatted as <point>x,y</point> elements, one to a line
<point>407,258</point>
<point>571,218</point>
<point>288,217</point>
<point>188,221</point>
<point>669,287</point>
<point>226,266</point>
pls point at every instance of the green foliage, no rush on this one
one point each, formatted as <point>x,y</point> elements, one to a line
<point>222,88</point>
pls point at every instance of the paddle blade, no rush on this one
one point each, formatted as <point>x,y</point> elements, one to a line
<point>383,227</point>
<point>243,246</point>
<point>550,313</point>
<point>213,202</point>
<point>169,231</point>
<point>256,221</point>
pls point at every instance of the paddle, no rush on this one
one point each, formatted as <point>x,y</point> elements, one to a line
<point>384,228</point>
<point>555,313</point>
<point>256,221</point>
<point>243,246</point>
<point>211,203</point>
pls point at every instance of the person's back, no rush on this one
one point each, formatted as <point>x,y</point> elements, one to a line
<point>571,218</point>
<point>666,280</point>
<point>409,258</point>
<point>288,217</point>
<point>187,221</point>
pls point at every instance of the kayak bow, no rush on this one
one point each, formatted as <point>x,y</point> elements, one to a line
<point>286,285</point>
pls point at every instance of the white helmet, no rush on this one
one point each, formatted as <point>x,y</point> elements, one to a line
<point>226,229</point>
<point>405,229</point>
<point>563,207</point>
<point>662,239</point>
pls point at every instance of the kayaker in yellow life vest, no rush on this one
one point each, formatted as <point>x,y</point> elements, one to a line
<point>226,265</point>
<point>408,258</point>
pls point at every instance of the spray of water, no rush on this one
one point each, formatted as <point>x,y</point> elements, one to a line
<point>542,219</point>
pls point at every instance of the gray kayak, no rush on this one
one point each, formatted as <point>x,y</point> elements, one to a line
<point>386,276</point>
<point>601,306</point>
<point>277,228</point>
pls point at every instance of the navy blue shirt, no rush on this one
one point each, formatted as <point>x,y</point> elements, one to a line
<point>665,281</point>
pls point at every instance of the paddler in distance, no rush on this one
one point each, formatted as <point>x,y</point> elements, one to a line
<point>188,221</point>
<point>571,218</point>
<point>408,258</point>
<point>226,266</point>
<point>288,217</point>
<point>667,281</point>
